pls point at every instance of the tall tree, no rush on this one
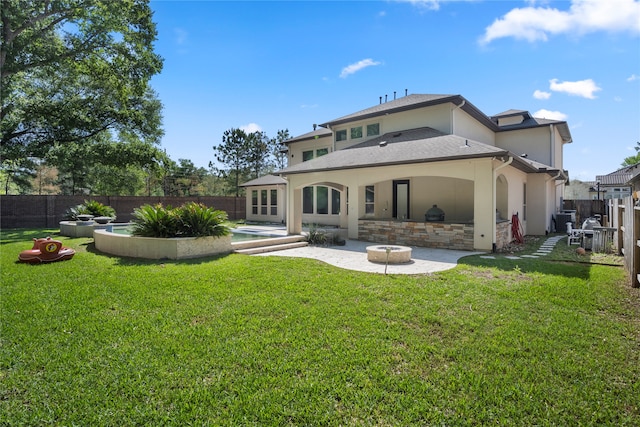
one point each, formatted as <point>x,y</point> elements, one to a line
<point>278,149</point>
<point>232,154</point>
<point>75,69</point>
<point>258,155</point>
<point>632,160</point>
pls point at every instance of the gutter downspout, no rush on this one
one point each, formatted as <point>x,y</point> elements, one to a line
<point>493,214</point>
<point>453,120</point>
<point>556,187</point>
<point>552,143</point>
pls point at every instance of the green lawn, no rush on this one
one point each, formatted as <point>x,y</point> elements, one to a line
<point>239,340</point>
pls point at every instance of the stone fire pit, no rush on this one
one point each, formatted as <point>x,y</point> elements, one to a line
<point>397,254</point>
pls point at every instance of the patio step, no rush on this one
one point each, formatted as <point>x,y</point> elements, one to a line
<point>269,245</point>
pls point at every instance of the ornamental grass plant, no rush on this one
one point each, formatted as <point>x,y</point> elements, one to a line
<point>272,341</point>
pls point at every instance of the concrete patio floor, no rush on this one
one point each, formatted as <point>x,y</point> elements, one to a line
<point>353,256</point>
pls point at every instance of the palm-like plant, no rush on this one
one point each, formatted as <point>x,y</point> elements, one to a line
<point>189,220</point>
<point>155,221</point>
<point>197,220</point>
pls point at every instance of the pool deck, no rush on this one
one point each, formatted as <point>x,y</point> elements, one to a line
<point>353,256</point>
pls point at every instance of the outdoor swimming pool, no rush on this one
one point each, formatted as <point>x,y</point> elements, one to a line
<point>239,235</point>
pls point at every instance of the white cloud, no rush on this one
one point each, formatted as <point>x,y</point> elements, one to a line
<point>617,98</point>
<point>538,94</point>
<point>583,88</point>
<point>633,77</point>
<point>181,35</point>
<point>551,115</point>
<point>584,16</point>
<point>251,128</point>
<point>425,4</point>
<point>353,68</point>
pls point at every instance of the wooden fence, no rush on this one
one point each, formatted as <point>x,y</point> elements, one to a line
<point>626,216</point>
<point>48,211</point>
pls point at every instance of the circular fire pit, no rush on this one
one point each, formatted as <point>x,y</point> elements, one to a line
<point>389,254</point>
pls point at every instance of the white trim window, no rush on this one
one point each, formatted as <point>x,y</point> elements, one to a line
<point>369,199</point>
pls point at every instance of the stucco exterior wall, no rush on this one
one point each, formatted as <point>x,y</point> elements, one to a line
<point>467,127</point>
<point>476,171</point>
<point>539,213</point>
<point>281,214</point>
<point>536,143</point>
<point>296,149</point>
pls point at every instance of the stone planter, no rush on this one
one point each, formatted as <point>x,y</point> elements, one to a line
<point>159,248</point>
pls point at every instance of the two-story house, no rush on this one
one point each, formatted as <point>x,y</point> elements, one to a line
<point>428,170</point>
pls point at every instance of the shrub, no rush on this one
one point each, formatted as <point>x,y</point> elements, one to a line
<point>89,207</point>
<point>189,220</point>
<point>155,221</point>
<point>197,220</point>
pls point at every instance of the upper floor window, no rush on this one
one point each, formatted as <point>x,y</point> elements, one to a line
<point>322,152</point>
<point>373,129</point>
<point>307,155</point>
<point>341,135</point>
<point>356,132</point>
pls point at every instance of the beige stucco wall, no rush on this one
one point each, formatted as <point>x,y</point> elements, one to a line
<point>536,143</point>
<point>477,171</point>
<point>296,149</point>
<point>437,117</point>
<point>281,215</point>
<point>462,124</point>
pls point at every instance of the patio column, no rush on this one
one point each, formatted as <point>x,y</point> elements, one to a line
<point>483,206</point>
<point>354,209</point>
<point>294,210</point>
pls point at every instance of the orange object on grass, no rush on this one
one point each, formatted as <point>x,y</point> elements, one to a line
<point>46,250</point>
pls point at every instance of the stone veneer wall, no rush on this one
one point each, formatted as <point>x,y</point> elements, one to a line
<point>503,234</point>
<point>422,234</point>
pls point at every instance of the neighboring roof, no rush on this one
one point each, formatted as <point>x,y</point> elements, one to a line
<point>411,102</point>
<point>420,145</point>
<point>265,180</point>
<point>318,133</point>
<point>622,176</point>
<point>615,179</point>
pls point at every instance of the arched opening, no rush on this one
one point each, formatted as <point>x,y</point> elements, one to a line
<point>502,198</point>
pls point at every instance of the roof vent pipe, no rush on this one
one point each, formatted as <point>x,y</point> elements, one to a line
<point>380,100</point>
<point>405,92</point>
<point>385,97</point>
<point>394,95</point>
<point>315,126</point>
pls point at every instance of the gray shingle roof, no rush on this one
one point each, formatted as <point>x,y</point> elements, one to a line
<point>412,146</point>
<point>265,180</point>
<point>411,102</point>
<point>614,179</point>
<point>318,133</point>
<point>532,122</point>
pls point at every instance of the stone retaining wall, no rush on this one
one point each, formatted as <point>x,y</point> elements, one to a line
<point>422,234</point>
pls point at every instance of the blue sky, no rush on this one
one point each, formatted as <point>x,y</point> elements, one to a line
<point>268,65</point>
